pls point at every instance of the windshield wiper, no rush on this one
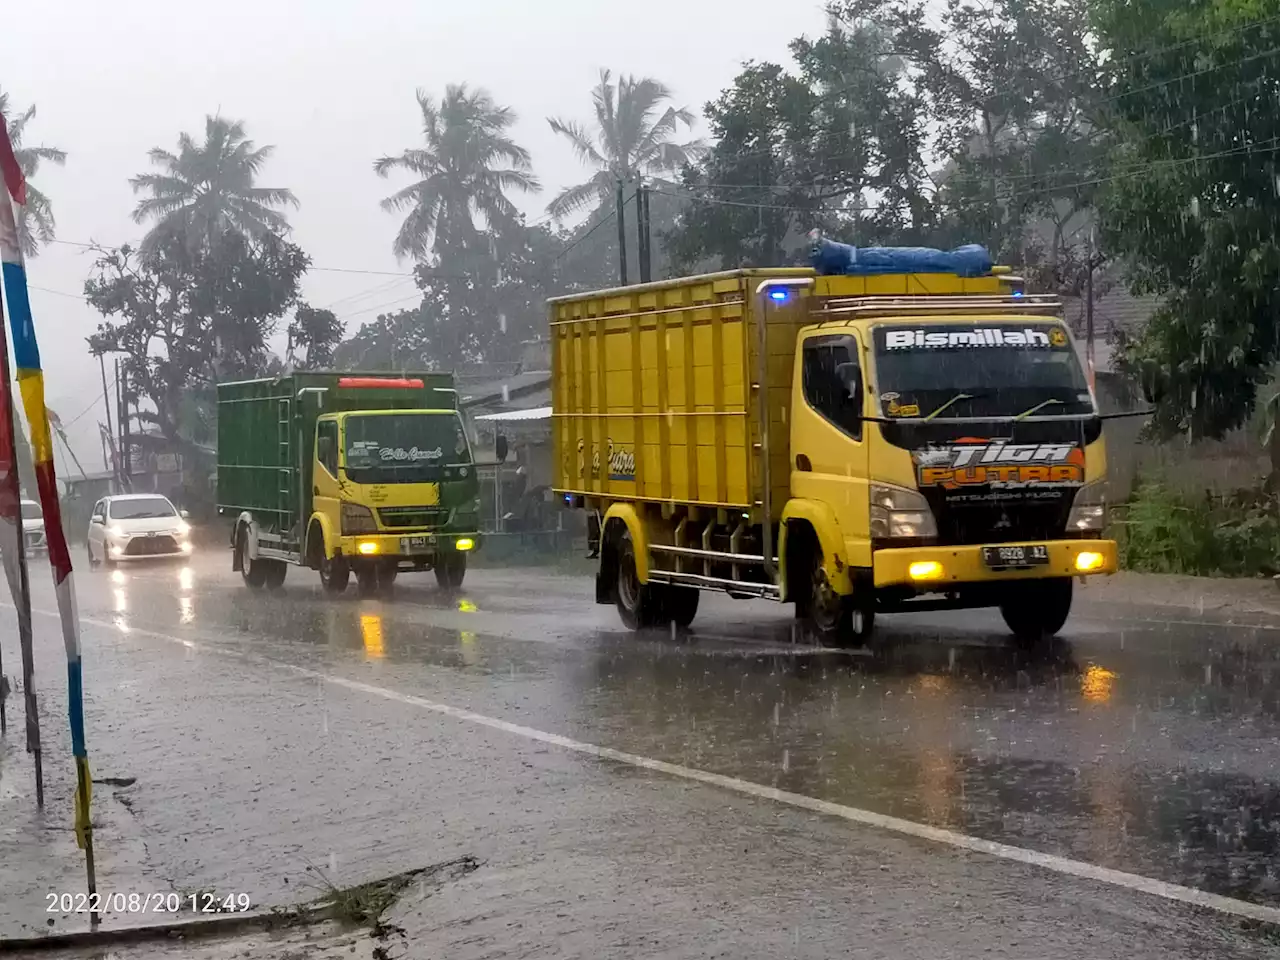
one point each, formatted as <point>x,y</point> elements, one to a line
<point>1039,406</point>
<point>956,399</point>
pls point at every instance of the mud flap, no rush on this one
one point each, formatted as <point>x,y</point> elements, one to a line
<point>593,539</point>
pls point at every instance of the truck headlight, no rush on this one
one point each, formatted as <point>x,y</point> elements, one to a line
<point>900,514</point>
<point>1089,509</point>
<point>357,519</point>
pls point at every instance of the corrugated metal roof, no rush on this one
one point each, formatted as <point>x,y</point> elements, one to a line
<point>537,413</point>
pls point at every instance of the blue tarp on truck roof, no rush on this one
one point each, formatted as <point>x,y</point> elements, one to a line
<point>831,258</point>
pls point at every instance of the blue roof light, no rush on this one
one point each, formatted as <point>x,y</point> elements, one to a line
<point>778,294</point>
<point>1017,293</point>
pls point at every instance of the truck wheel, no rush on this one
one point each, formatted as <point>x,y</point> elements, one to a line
<point>274,572</point>
<point>366,580</point>
<point>639,604</point>
<point>681,604</point>
<point>254,572</point>
<point>835,619</point>
<point>1036,610</point>
<point>335,573</point>
<point>451,568</point>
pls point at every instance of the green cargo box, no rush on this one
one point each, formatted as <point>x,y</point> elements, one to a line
<point>266,435</point>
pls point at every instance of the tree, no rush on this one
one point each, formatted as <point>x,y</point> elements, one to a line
<point>633,137</point>
<point>1191,200</point>
<point>480,305</point>
<point>208,189</point>
<point>465,169</point>
<point>36,225</point>
<point>317,332</point>
<point>186,318</point>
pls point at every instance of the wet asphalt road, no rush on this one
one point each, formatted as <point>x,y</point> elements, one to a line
<point>1146,740</point>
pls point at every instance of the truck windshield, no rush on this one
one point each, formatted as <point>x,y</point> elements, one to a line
<point>403,447</point>
<point>979,370</point>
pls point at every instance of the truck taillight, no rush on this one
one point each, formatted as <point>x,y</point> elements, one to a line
<point>395,383</point>
<point>357,519</point>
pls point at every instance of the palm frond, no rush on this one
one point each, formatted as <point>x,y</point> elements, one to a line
<point>579,139</point>
<point>570,200</point>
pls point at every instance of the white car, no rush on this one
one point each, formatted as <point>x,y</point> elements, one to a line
<point>137,526</point>
<point>33,527</point>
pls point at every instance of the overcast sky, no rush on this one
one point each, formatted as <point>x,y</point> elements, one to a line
<point>331,85</point>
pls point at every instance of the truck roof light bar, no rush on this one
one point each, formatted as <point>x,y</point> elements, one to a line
<point>383,382</point>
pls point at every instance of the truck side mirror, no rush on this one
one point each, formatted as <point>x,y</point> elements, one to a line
<point>500,448</point>
<point>850,377</point>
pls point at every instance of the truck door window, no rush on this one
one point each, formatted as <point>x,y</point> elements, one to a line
<point>327,446</point>
<point>832,385</point>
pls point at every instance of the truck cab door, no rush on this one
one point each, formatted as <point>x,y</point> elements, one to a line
<point>830,459</point>
<point>326,497</point>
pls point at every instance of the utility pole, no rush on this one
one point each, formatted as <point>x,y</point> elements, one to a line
<point>106,403</point>
<point>642,233</point>
<point>622,238</point>
<point>1088,313</point>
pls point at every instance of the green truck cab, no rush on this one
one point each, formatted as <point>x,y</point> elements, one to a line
<point>349,474</point>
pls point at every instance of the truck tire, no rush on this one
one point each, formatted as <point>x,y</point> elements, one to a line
<point>450,569</point>
<point>834,619</point>
<point>1036,610</point>
<point>254,572</point>
<point>681,604</point>
<point>274,573</point>
<point>640,605</point>
<point>335,573</point>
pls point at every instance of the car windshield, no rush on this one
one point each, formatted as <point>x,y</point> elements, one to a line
<point>31,510</point>
<point>979,370</point>
<point>140,509</point>
<point>403,446</point>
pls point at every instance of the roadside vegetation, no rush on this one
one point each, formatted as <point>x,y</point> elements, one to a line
<point>1232,535</point>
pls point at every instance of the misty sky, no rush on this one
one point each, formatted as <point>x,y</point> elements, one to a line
<point>331,85</point>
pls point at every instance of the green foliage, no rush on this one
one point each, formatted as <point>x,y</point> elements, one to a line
<point>207,189</point>
<point>36,225</point>
<point>1236,535</point>
<point>185,318</point>
<point>316,333</point>
<point>464,170</point>
<point>1192,200</point>
<point>899,126</point>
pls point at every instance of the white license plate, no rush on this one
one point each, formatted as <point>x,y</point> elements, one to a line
<point>1020,556</point>
<point>416,544</point>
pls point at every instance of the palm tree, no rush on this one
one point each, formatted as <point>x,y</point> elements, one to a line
<point>207,189</point>
<point>632,139</point>
<point>35,219</point>
<point>465,168</point>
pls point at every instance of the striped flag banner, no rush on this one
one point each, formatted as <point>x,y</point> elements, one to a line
<point>26,357</point>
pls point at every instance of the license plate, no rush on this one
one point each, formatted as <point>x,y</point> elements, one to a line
<point>416,544</point>
<point>1020,556</point>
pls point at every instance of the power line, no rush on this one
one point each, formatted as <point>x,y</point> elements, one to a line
<point>600,223</point>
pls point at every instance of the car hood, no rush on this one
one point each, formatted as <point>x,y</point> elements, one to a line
<point>149,525</point>
<point>29,524</point>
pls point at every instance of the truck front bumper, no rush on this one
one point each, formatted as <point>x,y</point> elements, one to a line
<point>407,546</point>
<point>936,568</point>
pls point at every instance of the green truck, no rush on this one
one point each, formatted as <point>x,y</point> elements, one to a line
<point>362,474</point>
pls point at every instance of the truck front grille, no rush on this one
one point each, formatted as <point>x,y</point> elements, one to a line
<point>1006,522</point>
<point>414,516</point>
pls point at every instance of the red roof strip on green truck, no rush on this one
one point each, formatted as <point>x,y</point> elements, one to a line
<point>379,382</point>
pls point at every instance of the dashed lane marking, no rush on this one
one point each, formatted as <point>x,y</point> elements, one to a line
<point>1004,851</point>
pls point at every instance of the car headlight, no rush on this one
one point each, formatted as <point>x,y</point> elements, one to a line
<point>183,528</point>
<point>115,531</point>
<point>357,519</point>
<point>900,514</point>
<point>1089,509</point>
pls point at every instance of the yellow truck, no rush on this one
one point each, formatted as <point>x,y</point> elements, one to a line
<point>854,444</point>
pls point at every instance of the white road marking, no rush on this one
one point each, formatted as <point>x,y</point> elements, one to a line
<point>1046,861</point>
